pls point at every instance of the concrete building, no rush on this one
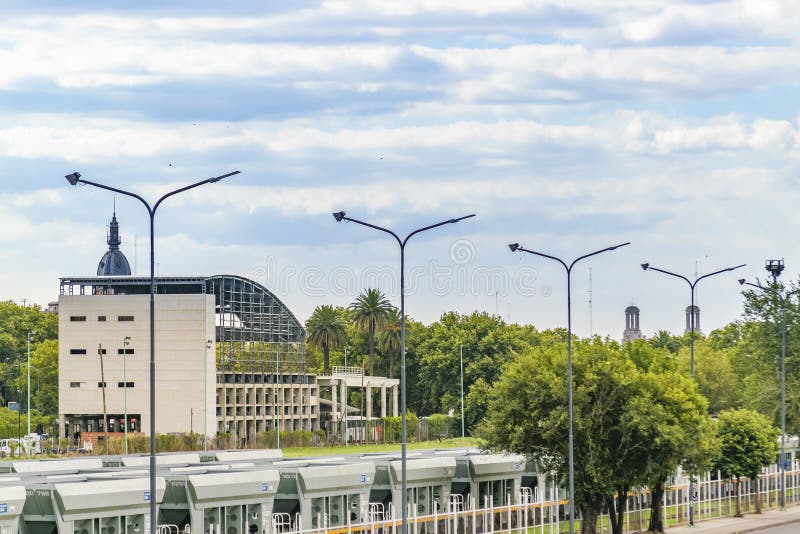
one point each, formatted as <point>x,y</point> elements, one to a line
<point>230,356</point>
<point>632,331</point>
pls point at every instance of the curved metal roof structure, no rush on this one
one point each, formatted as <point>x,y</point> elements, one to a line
<point>255,330</point>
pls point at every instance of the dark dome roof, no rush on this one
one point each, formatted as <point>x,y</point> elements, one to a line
<point>113,263</point>
<point>631,309</point>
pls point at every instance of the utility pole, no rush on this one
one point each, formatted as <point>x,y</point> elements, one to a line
<point>103,384</point>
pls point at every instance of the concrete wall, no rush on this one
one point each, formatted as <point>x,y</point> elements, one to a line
<point>183,324</point>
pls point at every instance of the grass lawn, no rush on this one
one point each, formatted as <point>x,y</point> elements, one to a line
<point>454,443</point>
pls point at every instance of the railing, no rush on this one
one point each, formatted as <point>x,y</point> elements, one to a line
<point>527,513</point>
<point>346,371</point>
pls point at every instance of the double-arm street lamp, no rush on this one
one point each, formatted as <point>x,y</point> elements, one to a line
<point>74,179</point>
<point>515,247</point>
<point>692,327</point>
<point>340,216</point>
<point>783,298</point>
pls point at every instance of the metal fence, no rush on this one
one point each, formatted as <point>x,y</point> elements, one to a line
<point>529,512</point>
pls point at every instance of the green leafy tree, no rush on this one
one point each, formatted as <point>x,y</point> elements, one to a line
<point>748,443</point>
<point>370,312</point>
<point>664,340</point>
<point>635,416</point>
<point>488,345</point>
<point>326,331</point>
<point>671,415</point>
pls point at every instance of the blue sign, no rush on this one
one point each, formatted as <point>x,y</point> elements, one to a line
<point>264,486</point>
<point>3,507</point>
<point>516,466</point>
<point>147,497</point>
<point>13,405</point>
<point>363,479</point>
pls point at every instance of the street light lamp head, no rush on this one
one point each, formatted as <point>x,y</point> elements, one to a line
<point>645,266</point>
<point>513,247</point>
<point>339,215</point>
<point>742,281</point>
<point>73,178</point>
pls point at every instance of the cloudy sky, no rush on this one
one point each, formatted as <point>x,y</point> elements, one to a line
<point>565,125</point>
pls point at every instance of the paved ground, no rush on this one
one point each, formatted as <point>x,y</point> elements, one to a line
<point>769,522</point>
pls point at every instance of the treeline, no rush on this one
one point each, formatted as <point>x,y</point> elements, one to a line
<point>737,366</point>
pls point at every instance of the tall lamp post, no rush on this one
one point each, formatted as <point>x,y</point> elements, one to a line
<point>692,286</point>
<point>340,216</point>
<point>74,179</point>
<point>568,268</point>
<point>205,392</point>
<point>783,298</point>
<point>461,360</point>
<point>125,342</point>
<point>28,404</point>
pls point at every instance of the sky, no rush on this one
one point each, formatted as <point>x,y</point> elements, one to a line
<point>567,126</point>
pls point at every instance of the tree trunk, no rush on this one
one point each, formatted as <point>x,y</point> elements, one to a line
<point>617,516</point>
<point>656,514</point>
<point>326,361</point>
<point>589,514</point>
<point>738,504</point>
<point>391,362</point>
<point>372,348</point>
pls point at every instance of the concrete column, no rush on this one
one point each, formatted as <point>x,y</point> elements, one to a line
<point>383,400</point>
<point>334,400</point>
<point>395,394</point>
<point>368,393</point>
<point>343,385</point>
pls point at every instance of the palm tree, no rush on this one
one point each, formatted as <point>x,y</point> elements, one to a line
<point>326,331</point>
<point>664,340</point>
<point>369,312</point>
<point>389,339</point>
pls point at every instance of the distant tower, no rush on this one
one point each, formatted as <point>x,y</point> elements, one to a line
<point>632,331</point>
<point>113,262</point>
<point>689,310</point>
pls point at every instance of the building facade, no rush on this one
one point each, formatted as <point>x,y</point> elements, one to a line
<point>230,357</point>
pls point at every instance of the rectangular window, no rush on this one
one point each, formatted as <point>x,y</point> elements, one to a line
<point>77,318</point>
<point>124,351</point>
<point>122,384</point>
<point>101,318</point>
<point>74,384</point>
<point>123,318</point>
<point>102,351</point>
<point>77,351</point>
<point>101,384</point>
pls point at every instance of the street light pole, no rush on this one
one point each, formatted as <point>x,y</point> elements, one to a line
<point>784,299</point>
<point>461,357</point>
<point>340,216</point>
<point>75,178</point>
<point>692,286</point>
<point>344,400</point>
<point>125,388</point>
<point>205,393</point>
<point>514,248</point>
<point>28,404</point>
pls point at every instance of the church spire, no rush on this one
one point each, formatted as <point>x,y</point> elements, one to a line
<point>113,262</point>
<point>113,233</point>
